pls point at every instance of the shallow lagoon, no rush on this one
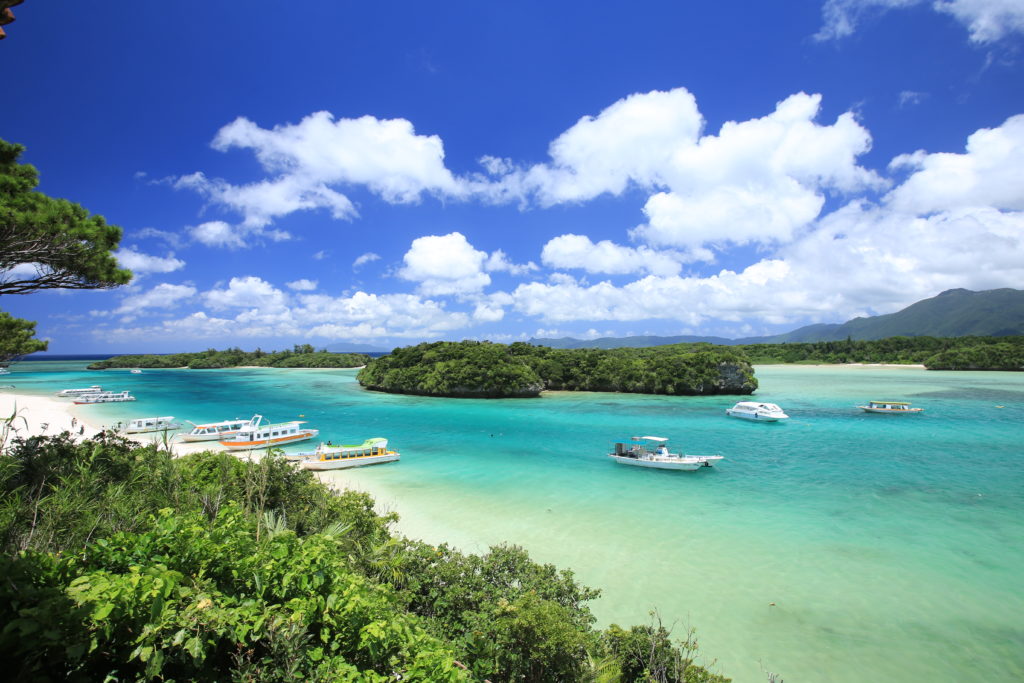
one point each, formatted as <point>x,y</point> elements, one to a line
<point>890,545</point>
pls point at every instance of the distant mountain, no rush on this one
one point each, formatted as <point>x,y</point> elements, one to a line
<point>953,313</point>
<point>347,347</point>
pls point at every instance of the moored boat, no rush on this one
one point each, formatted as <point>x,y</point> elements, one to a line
<point>141,425</point>
<point>104,397</point>
<point>327,457</point>
<point>68,393</point>
<point>136,371</point>
<point>268,436</point>
<point>652,451</point>
<point>890,408</point>
<point>215,431</point>
<point>754,410</point>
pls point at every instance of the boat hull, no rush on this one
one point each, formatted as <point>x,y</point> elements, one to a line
<point>754,417</point>
<point>270,443</point>
<point>347,463</point>
<point>191,438</point>
<point>165,428</point>
<point>889,411</point>
<point>687,462</point>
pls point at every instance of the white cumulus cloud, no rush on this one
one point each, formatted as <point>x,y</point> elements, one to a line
<point>302,285</point>
<point>246,292</point>
<point>989,173</point>
<point>162,296</point>
<point>578,251</point>
<point>309,161</point>
<point>445,265</point>
<point>985,20</point>
<point>140,263</point>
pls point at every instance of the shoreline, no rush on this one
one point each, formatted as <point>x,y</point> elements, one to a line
<point>46,415</point>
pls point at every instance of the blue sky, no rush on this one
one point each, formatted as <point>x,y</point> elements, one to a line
<point>386,173</point>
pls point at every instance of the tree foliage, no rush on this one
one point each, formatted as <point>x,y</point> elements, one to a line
<point>301,356</point>
<point>936,353</point>
<point>17,337</point>
<point>121,562</point>
<point>60,242</point>
<point>486,370</point>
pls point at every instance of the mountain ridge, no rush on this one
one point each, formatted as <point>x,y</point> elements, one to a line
<point>952,313</point>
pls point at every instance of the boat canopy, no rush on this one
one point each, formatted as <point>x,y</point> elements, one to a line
<point>656,439</point>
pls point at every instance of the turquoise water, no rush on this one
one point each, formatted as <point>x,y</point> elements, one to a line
<point>892,547</point>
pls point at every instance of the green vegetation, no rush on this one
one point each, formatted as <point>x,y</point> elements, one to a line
<point>123,563</point>
<point>56,243</point>
<point>486,370</point>
<point>17,337</point>
<point>997,354</point>
<point>301,356</point>
<point>936,353</point>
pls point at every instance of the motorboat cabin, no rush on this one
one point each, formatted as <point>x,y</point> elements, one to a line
<point>890,408</point>
<point>151,424</point>
<point>268,436</point>
<point>754,410</point>
<point>215,431</point>
<point>371,452</point>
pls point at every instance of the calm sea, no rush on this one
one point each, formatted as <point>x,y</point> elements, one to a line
<point>839,546</point>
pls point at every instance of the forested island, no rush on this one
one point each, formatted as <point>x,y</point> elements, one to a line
<point>935,353</point>
<point>121,562</point>
<point>471,369</point>
<point>301,356</point>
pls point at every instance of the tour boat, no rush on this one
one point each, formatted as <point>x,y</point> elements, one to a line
<point>142,425</point>
<point>68,393</point>
<point>4,371</point>
<point>136,371</point>
<point>267,436</point>
<point>761,412</point>
<point>890,408</point>
<point>105,397</point>
<point>327,457</point>
<point>652,451</point>
<point>215,431</point>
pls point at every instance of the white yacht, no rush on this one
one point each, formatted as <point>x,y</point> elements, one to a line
<point>215,431</point>
<point>104,397</point>
<point>4,371</point>
<point>142,425</point>
<point>136,371</point>
<point>753,410</point>
<point>69,393</point>
<point>652,451</point>
<point>267,436</point>
<point>327,457</point>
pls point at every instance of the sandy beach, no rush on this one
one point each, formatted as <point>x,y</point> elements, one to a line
<point>45,415</point>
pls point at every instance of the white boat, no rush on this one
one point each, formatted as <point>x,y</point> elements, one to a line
<point>105,397</point>
<point>753,410</point>
<point>890,408</point>
<point>327,457</point>
<point>136,371</point>
<point>4,371</point>
<point>268,436</point>
<point>142,425</point>
<point>215,431</point>
<point>67,393</point>
<point>652,451</point>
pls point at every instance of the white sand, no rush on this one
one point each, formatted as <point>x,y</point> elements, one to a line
<point>39,415</point>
